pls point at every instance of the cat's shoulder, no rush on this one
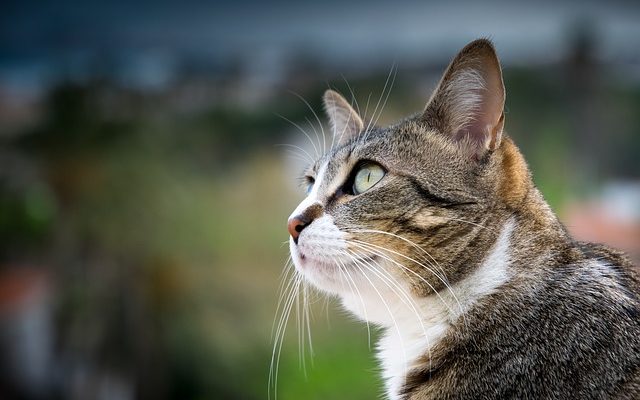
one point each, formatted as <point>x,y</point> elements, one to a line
<point>614,259</point>
<point>606,254</point>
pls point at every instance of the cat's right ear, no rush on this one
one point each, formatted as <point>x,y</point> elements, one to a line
<point>345,121</point>
<point>468,105</point>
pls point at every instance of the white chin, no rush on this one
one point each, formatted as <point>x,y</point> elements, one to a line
<point>325,274</point>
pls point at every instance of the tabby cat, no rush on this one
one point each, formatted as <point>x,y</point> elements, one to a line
<point>432,229</point>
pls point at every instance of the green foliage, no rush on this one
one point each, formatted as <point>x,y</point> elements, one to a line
<point>26,215</point>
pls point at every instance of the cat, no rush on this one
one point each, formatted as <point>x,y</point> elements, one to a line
<point>432,229</point>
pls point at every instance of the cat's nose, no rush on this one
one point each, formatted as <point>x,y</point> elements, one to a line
<point>297,223</point>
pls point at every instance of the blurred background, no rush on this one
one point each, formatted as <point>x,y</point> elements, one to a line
<point>144,189</point>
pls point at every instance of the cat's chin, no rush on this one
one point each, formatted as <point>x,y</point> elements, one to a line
<point>330,274</point>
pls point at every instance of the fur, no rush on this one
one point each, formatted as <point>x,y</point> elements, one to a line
<point>481,291</point>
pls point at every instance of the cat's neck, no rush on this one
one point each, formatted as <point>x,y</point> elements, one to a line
<point>403,346</point>
<point>526,239</point>
<point>538,233</point>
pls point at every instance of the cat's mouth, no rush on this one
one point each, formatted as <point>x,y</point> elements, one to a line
<point>336,262</point>
<point>331,270</point>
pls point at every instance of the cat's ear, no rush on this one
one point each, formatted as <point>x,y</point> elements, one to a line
<point>468,104</point>
<point>345,121</point>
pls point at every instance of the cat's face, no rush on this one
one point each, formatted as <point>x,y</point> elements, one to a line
<point>400,208</point>
<point>372,198</point>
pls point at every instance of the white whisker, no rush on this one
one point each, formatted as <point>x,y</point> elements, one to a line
<point>316,117</point>
<point>315,149</point>
<point>358,264</point>
<point>374,119</point>
<point>354,101</point>
<point>307,311</point>
<point>355,286</point>
<point>408,241</point>
<point>444,281</point>
<point>279,336</point>
<point>305,158</point>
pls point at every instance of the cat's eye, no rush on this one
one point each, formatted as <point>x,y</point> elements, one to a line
<point>309,184</point>
<point>367,176</point>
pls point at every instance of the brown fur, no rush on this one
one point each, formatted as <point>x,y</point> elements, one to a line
<point>515,180</point>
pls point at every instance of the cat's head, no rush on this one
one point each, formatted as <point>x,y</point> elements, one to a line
<point>418,203</point>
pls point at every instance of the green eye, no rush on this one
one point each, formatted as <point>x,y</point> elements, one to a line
<point>366,177</point>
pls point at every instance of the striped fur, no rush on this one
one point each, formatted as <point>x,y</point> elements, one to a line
<point>481,291</point>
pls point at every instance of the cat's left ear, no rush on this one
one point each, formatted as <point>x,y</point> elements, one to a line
<point>345,121</point>
<point>468,104</point>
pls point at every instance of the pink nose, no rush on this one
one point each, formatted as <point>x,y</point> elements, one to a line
<point>296,225</point>
<point>299,222</point>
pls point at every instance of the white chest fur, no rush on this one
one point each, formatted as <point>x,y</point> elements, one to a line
<point>413,329</point>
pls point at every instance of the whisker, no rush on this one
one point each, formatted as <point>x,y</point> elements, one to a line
<point>386,83</point>
<point>283,289</point>
<point>366,108</point>
<point>344,129</point>
<point>280,331</point>
<point>316,117</point>
<point>373,248</point>
<point>307,310</point>
<point>303,132</point>
<point>410,242</point>
<point>300,334</point>
<point>300,156</point>
<point>355,286</point>
<point>369,263</point>
<point>436,274</point>
<point>387,278</point>
<point>442,278</point>
<point>315,132</point>
<point>354,101</point>
<point>356,263</point>
<point>394,68</point>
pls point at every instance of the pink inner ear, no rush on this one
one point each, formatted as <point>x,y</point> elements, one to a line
<point>482,125</point>
<point>345,121</point>
<point>484,119</point>
<point>468,104</point>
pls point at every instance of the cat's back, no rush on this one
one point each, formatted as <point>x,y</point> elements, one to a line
<point>570,331</point>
